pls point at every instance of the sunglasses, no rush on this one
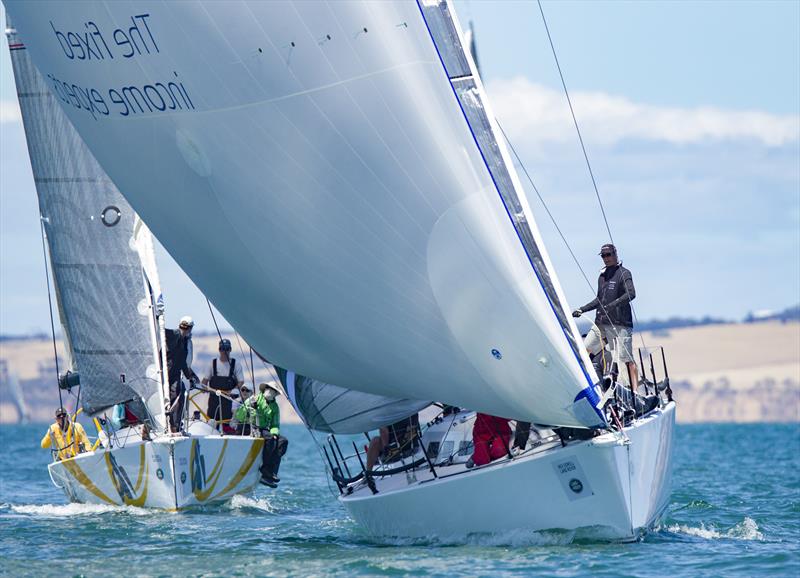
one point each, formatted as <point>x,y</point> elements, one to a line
<point>604,255</point>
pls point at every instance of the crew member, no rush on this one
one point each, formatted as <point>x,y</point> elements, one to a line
<point>522,433</point>
<point>245,413</point>
<point>490,437</point>
<point>179,362</point>
<point>268,416</point>
<point>394,441</point>
<point>66,436</point>
<point>614,316</point>
<point>223,374</point>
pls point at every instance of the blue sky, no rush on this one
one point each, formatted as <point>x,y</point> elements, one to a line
<point>691,116</point>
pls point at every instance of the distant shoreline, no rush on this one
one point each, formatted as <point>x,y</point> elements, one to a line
<point>720,373</point>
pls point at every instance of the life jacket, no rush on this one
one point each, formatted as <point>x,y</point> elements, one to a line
<point>223,382</point>
<point>66,443</point>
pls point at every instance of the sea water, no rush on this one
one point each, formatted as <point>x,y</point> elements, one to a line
<point>734,511</point>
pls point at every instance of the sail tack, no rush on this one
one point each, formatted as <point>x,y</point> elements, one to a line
<point>367,227</point>
<point>95,259</point>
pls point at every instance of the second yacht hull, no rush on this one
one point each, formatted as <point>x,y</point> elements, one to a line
<point>169,473</point>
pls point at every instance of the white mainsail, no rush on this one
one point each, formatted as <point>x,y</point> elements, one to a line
<point>96,259</point>
<point>330,176</point>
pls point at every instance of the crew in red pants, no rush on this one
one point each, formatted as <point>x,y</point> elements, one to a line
<point>490,436</point>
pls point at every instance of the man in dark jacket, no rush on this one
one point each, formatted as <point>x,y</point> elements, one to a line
<point>614,317</point>
<point>179,361</point>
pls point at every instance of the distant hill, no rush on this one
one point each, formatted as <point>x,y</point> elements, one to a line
<point>676,322</point>
<point>788,314</point>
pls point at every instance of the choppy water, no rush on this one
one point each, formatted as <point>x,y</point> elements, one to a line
<point>735,511</point>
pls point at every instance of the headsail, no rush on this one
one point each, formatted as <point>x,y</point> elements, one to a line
<point>97,269</point>
<point>376,228</point>
<point>329,408</point>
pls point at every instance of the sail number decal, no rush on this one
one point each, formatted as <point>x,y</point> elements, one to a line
<point>573,480</point>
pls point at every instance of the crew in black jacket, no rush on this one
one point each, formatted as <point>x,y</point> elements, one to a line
<point>614,316</point>
<point>179,361</point>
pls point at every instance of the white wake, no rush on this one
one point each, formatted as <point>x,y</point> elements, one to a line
<point>747,529</point>
<point>73,509</point>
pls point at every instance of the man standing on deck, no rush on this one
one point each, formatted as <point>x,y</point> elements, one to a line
<point>614,317</point>
<point>225,375</point>
<point>179,361</point>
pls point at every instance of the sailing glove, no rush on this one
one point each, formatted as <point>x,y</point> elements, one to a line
<point>577,313</point>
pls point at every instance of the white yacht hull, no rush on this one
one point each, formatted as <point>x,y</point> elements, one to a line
<point>621,490</point>
<point>169,473</point>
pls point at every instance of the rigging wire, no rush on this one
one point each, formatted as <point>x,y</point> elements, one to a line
<point>50,305</point>
<point>585,154</point>
<point>250,367</point>
<point>544,204</point>
<point>253,366</point>
<point>213,318</point>
<point>558,229</point>
<point>575,121</point>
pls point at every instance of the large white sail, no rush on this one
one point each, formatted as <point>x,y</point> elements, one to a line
<point>97,271</point>
<point>329,175</point>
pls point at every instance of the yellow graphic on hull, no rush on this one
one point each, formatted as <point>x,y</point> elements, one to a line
<point>81,477</point>
<point>203,486</point>
<point>122,483</point>
<point>251,456</point>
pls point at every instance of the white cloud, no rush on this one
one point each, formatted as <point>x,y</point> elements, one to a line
<point>9,111</point>
<point>535,113</point>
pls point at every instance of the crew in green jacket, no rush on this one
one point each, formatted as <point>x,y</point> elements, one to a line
<point>268,419</point>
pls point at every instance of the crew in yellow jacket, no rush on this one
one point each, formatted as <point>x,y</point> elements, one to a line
<point>69,437</point>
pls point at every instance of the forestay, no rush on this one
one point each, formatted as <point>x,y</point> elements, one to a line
<point>329,408</point>
<point>97,269</point>
<point>374,232</point>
